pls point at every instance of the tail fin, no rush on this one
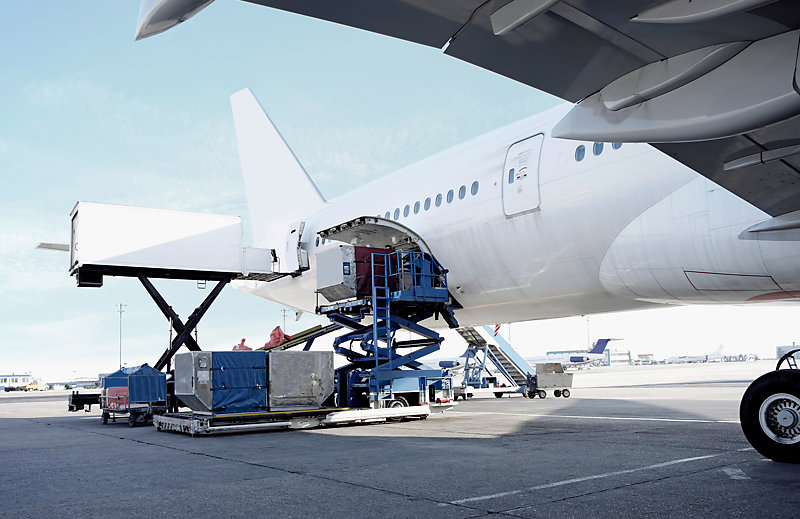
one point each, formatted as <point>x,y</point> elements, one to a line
<point>279,191</point>
<point>599,346</point>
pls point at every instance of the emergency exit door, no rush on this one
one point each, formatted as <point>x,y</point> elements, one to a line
<point>521,176</point>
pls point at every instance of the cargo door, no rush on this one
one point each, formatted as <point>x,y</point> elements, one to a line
<point>521,176</point>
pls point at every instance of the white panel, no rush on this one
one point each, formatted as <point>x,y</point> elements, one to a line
<point>521,176</point>
<point>116,235</point>
<point>730,282</point>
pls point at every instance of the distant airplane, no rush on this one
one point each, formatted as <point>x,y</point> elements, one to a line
<point>575,359</point>
<point>715,355</point>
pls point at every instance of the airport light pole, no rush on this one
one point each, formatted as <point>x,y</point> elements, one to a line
<point>121,310</point>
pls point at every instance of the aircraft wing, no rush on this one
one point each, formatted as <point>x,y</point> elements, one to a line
<point>711,82</point>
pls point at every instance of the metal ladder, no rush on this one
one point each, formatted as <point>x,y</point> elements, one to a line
<point>381,305</point>
<point>500,359</point>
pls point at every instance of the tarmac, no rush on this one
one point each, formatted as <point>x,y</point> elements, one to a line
<point>640,441</point>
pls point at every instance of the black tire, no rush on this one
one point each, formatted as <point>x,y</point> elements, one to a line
<point>498,395</point>
<point>530,393</point>
<point>131,420</point>
<point>556,393</point>
<point>104,418</point>
<point>398,402</point>
<point>565,393</point>
<point>770,415</point>
<point>542,393</point>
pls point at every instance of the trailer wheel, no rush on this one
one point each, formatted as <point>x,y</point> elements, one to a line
<point>770,415</point>
<point>498,395</point>
<point>557,393</point>
<point>105,417</point>
<point>530,393</point>
<point>565,393</point>
<point>541,393</point>
<point>398,402</point>
<point>131,420</point>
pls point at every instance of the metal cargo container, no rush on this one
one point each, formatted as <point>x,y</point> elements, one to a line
<point>227,382</point>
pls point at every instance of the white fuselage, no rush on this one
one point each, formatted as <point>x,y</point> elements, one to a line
<point>624,228</point>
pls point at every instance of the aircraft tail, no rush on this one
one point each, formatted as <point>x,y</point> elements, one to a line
<point>278,189</point>
<point>599,346</point>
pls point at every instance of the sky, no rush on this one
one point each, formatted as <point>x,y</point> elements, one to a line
<point>88,114</point>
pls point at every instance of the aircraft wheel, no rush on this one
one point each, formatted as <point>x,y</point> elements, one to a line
<point>565,393</point>
<point>104,418</point>
<point>770,415</point>
<point>556,393</point>
<point>541,393</point>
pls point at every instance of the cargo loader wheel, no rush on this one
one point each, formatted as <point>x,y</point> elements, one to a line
<point>105,418</point>
<point>770,415</point>
<point>498,395</point>
<point>565,393</point>
<point>530,392</point>
<point>556,393</point>
<point>398,402</point>
<point>132,420</point>
<point>541,393</point>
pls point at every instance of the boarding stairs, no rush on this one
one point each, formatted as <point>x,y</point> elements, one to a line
<point>507,361</point>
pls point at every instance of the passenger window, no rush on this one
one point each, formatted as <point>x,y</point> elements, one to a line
<point>317,241</point>
<point>450,196</point>
<point>474,188</point>
<point>462,192</point>
<point>511,176</point>
<point>416,207</point>
<point>397,214</point>
<point>406,209</point>
<point>387,215</point>
<point>597,149</point>
<point>580,152</point>
<point>438,200</point>
<point>427,203</point>
<point>616,145</point>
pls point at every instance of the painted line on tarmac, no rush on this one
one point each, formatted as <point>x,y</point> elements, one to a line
<point>735,473</point>
<point>580,480</point>
<point>622,418</point>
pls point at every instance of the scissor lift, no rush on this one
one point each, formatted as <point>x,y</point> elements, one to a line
<point>407,287</point>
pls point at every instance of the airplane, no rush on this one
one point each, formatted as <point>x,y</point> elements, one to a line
<point>714,356</point>
<point>532,225</point>
<point>575,359</point>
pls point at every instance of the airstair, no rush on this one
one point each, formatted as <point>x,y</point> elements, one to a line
<point>499,353</point>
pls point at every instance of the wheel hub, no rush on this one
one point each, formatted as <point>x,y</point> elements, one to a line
<point>779,417</point>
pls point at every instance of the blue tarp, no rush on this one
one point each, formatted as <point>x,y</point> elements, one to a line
<point>145,384</point>
<point>239,381</point>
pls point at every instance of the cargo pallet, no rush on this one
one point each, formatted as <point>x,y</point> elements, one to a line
<point>200,424</point>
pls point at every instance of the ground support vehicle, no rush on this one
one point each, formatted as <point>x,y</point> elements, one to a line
<point>549,376</point>
<point>136,393</point>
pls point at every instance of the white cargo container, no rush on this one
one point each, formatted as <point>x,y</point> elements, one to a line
<point>117,236</point>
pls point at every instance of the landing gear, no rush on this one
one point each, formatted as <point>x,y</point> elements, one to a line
<point>770,415</point>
